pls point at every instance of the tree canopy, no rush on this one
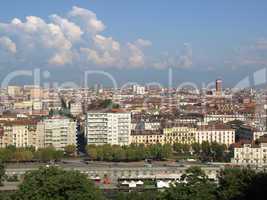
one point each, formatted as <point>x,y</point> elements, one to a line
<point>53,183</point>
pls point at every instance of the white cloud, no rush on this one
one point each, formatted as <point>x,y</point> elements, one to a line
<point>70,29</point>
<point>136,57</point>
<point>105,51</point>
<point>8,45</point>
<point>87,19</point>
<point>143,43</point>
<point>183,60</point>
<point>103,59</point>
<point>74,39</point>
<point>38,41</point>
<point>61,58</point>
<point>106,43</point>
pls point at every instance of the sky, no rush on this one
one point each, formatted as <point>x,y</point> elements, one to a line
<point>137,41</point>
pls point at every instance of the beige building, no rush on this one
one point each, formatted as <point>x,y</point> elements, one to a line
<point>186,135</point>
<point>258,134</point>
<point>58,132</point>
<point>147,137</point>
<point>180,134</point>
<point>215,133</point>
<point>20,133</point>
<point>14,91</point>
<point>76,109</point>
<point>250,154</point>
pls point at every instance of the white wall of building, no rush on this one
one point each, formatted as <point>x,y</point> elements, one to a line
<point>251,155</point>
<point>108,128</point>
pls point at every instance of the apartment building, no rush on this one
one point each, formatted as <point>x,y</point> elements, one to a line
<point>257,134</point>
<point>180,134</point>
<point>185,134</point>
<point>20,133</point>
<point>76,109</point>
<point>147,137</point>
<point>14,91</point>
<point>58,132</point>
<point>224,118</point>
<point>218,133</point>
<point>112,127</point>
<point>251,154</point>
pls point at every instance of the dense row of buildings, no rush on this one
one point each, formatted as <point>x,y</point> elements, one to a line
<point>186,134</point>
<point>57,131</point>
<point>42,117</point>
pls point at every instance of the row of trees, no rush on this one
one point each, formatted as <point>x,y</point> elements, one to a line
<point>128,153</point>
<point>232,184</point>
<point>12,153</point>
<point>206,152</point>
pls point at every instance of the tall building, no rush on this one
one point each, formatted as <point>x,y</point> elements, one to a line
<point>112,127</point>
<point>218,87</point>
<point>58,132</point>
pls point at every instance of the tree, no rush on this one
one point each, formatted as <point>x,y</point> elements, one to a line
<point>118,153</point>
<point>218,151</point>
<point>196,148</point>
<point>107,103</point>
<point>181,148</point>
<point>23,155</point>
<point>5,154</point>
<point>70,150</point>
<point>131,154</point>
<point>2,172</point>
<point>257,187</point>
<point>91,151</point>
<point>166,151</point>
<point>194,185</point>
<point>206,152</point>
<point>51,112</point>
<point>137,196</point>
<point>233,182</point>
<point>58,155</point>
<point>45,154</point>
<point>57,184</point>
<point>107,152</point>
<point>194,175</point>
<point>48,154</point>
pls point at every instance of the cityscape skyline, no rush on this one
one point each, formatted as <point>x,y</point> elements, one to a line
<point>131,100</point>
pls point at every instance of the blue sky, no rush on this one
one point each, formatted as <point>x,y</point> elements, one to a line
<point>215,37</point>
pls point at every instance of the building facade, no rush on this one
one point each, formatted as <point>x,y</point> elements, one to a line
<point>19,133</point>
<point>250,154</point>
<point>215,133</point>
<point>180,134</point>
<point>108,128</point>
<point>58,132</point>
<point>147,137</point>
